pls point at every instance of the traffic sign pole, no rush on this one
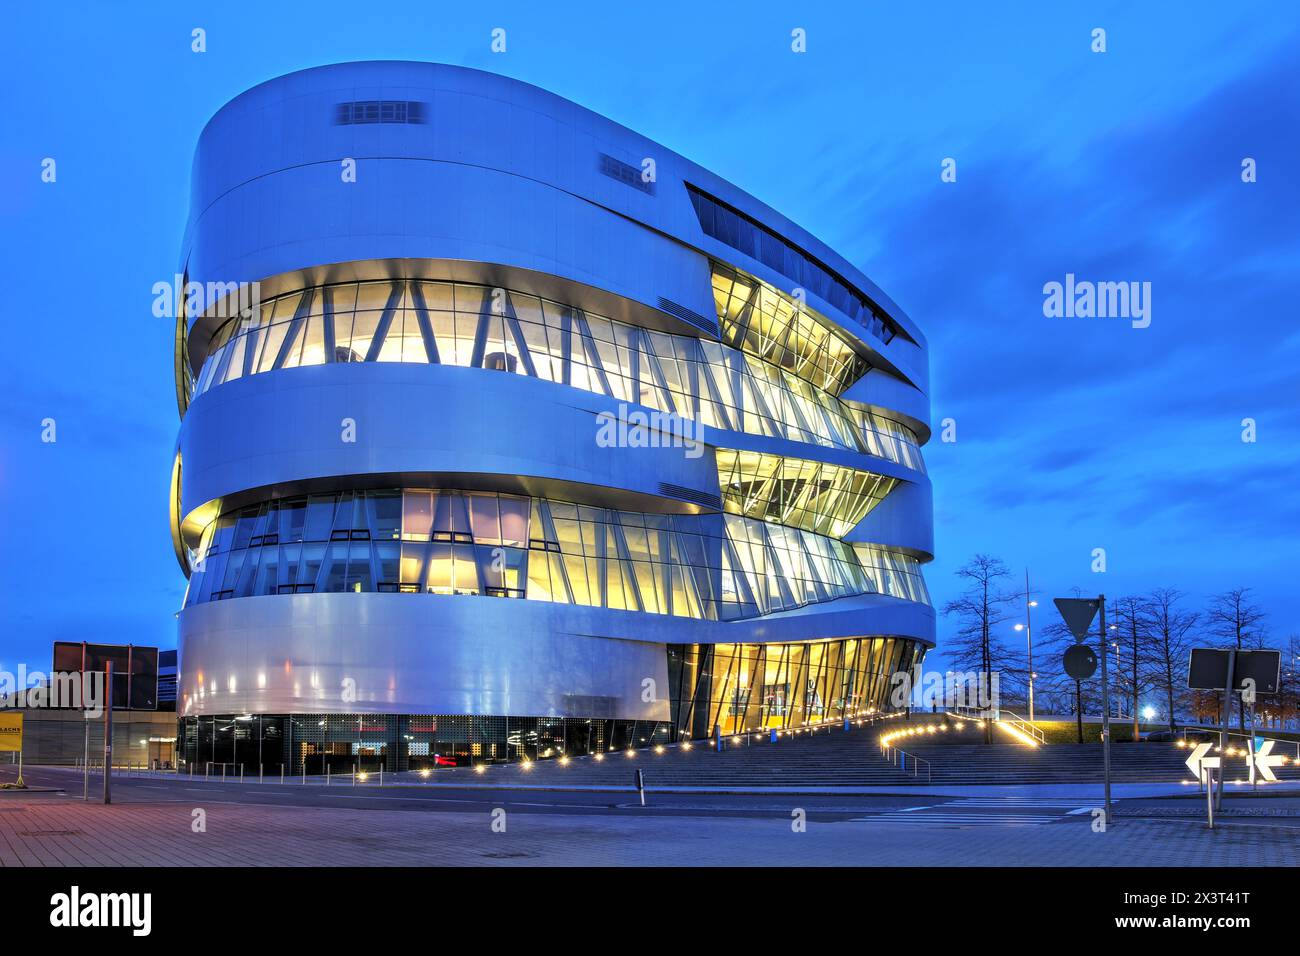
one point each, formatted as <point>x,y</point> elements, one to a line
<point>1105,706</point>
<point>108,733</point>
<point>1223,727</point>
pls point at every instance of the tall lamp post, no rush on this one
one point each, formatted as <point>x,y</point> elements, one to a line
<point>1028,628</point>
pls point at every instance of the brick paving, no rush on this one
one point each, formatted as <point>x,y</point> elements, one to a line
<point>59,831</point>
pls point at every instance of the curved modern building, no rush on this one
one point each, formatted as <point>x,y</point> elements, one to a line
<point>508,432</point>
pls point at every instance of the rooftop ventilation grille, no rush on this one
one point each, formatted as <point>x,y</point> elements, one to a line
<point>702,498</point>
<point>379,111</point>
<point>626,174</point>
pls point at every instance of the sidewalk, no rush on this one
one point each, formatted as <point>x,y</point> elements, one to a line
<point>61,832</point>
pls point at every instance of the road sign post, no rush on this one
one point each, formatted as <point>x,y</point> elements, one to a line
<point>1234,671</point>
<point>1105,705</point>
<point>1078,614</point>
<point>1209,797</point>
<point>108,732</point>
<point>85,762</point>
<point>1223,725</point>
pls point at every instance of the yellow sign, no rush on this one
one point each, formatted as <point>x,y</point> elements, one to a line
<point>11,732</point>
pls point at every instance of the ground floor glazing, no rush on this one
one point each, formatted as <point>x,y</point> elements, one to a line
<point>713,689</point>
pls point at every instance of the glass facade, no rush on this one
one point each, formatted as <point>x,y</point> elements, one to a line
<point>737,687</point>
<point>763,321</point>
<point>311,743</point>
<point>490,328</point>
<point>729,225</point>
<point>730,687</point>
<point>899,573</point>
<point>708,566</point>
<point>826,499</point>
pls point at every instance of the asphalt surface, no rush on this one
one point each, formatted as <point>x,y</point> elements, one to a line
<point>911,809</point>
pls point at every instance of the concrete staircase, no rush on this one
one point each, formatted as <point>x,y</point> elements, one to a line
<point>835,758</point>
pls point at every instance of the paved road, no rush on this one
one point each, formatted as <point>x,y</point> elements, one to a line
<point>152,822</point>
<point>343,795</point>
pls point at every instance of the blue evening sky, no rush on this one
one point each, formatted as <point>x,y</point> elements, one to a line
<point>1072,434</point>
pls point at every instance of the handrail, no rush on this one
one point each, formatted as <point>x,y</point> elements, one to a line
<point>1024,726</point>
<point>899,757</point>
<point>997,715</point>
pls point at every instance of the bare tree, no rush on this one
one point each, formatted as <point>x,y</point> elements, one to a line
<point>1168,642</point>
<point>1289,691</point>
<point>1077,696</point>
<point>1129,634</point>
<point>979,610</point>
<point>1238,624</point>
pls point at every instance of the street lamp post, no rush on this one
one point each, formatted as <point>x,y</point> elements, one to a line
<point>1028,628</point>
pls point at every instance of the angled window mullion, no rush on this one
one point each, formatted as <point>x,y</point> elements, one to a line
<point>566,347</point>
<point>656,370</point>
<point>517,333</point>
<point>593,355</point>
<point>788,599</point>
<point>726,686</point>
<point>385,321</point>
<point>251,340</point>
<point>690,378</point>
<point>706,374</point>
<point>666,572</point>
<point>740,574</point>
<point>602,563</point>
<point>690,575</point>
<point>485,314</point>
<point>783,681</point>
<point>628,565</point>
<point>796,411</point>
<point>548,526</point>
<point>295,326</point>
<point>426,326</point>
<point>327,308</point>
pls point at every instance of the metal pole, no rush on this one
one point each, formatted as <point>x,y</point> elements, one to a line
<point>1209,795</point>
<point>85,764</point>
<point>1223,727</point>
<point>108,733</point>
<point>1250,752</point>
<point>1105,707</point>
<point>1078,708</point>
<point>1029,638</point>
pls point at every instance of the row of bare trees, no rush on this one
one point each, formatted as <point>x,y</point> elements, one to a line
<point>1150,638</point>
